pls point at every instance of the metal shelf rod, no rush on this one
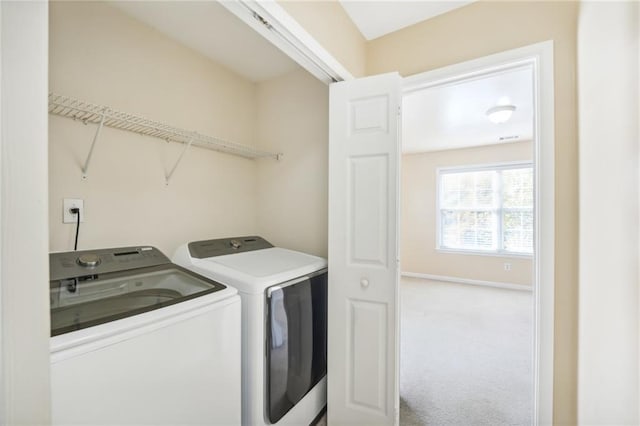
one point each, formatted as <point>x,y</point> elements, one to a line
<point>106,117</point>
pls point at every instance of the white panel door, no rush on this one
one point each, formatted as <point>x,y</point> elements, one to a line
<point>364,158</point>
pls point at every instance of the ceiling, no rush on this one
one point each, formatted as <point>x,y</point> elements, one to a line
<point>439,118</point>
<point>377,18</point>
<point>454,116</point>
<point>208,28</point>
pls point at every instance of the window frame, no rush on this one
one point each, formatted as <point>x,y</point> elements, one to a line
<point>499,252</point>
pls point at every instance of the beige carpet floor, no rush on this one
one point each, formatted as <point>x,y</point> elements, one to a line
<point>466,355</point>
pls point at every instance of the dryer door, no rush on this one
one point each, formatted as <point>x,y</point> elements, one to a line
<point>296,341</point>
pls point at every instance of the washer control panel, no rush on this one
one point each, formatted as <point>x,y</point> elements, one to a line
<point>222,246</point>
<point>94,262</point>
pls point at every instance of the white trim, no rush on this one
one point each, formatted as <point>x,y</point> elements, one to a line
<point>511,60</point>
<point>271,21</point>
<point>457,280</point>
<point>508,255</point>
<point>24,215</point>
<point>3,383</point>
<point>540,57</point>
<point>607,135</point>
<point>502,165</point>
<point>544,268</point>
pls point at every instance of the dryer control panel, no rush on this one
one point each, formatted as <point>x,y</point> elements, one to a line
<point>223,246</point>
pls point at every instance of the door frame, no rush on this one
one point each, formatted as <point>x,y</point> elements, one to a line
<point>24,219</point>
<point>539,57</point>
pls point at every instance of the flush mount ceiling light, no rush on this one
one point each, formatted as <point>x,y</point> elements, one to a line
<point>500,113</point>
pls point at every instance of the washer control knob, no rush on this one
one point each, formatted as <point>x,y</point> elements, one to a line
<point>89,260</point>
<point>235,244</point>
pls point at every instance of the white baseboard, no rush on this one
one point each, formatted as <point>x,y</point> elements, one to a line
<point>510,286</point>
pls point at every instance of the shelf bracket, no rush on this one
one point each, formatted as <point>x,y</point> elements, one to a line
<point>175,166</point>
<point>85,169</point>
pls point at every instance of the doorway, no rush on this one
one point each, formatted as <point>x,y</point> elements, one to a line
<point>484,276</point>
<point>364,231</point>
<point>466,350</point>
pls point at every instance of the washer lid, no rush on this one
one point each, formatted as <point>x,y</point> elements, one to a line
<point>82,302</point>
<point>254,271</point>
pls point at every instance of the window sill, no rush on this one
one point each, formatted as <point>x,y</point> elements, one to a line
<point>484,253</point>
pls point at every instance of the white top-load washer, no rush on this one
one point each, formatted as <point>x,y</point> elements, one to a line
<point>284,324</point>
<point>139,340</point>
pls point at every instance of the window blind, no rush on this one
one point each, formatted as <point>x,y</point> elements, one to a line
<point>488,210</point>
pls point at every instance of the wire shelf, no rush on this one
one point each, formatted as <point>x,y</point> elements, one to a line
<point>65,106</point>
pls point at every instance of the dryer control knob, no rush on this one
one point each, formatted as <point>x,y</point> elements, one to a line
<point>89,260</point>
<point>235,244</point>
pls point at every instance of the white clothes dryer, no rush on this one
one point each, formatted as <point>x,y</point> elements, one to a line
<point>284,324</point>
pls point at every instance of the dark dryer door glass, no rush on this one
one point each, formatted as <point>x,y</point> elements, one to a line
<point>296,341</point>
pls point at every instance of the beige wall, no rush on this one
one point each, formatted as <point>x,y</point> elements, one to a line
<point>488,27</point>
<point>419,228</point>
<point>330,25</point>
<point>100,55</point>
<point>292,193</point>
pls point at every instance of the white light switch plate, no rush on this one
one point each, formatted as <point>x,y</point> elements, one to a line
<point>68,203</point>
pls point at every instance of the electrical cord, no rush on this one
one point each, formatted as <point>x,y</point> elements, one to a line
<point>76,211</point>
